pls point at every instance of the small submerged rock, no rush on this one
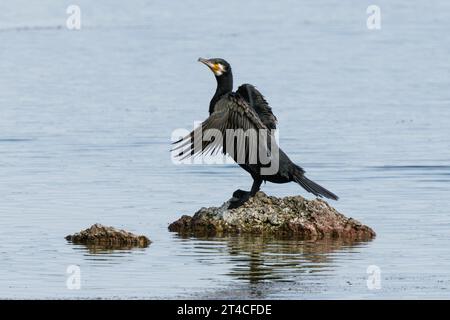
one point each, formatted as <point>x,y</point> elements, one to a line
<point>108,237</point>
<point>288,217</point>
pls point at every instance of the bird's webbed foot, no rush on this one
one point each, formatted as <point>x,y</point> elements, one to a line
<point>239,198</point>
<point>240,193</point>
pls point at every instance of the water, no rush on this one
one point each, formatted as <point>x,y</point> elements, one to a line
<point>86,120</point>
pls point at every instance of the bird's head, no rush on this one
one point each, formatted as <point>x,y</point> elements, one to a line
<point>217,65</point>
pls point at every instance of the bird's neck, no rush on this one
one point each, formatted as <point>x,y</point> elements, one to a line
<point>224,86</point>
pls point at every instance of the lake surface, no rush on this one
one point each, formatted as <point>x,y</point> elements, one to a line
<point>86,119</point>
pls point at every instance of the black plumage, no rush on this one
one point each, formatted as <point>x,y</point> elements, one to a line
<point>244,109</point>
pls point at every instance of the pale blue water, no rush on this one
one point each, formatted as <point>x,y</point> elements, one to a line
<point>85,124</point>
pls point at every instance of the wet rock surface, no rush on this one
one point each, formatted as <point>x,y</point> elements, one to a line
<point>294,217</point>
<point>108,238</point>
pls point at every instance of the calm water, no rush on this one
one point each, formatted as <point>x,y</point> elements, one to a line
<point>85,126</point>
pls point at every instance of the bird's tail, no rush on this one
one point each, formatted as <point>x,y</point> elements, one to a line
<point>311,186</point>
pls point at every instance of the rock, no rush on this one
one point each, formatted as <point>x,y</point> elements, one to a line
<point>264,215</point>
<point>108,237</point>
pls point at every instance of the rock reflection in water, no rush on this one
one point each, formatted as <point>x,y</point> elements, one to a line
<point>106,248</point>
<point>260,259</point>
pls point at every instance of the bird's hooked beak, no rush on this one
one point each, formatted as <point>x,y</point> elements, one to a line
<point>206,62</point>
<point>216,68</point>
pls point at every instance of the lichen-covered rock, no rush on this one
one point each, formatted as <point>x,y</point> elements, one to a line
<point>262,214</point>
<point>109,237</point>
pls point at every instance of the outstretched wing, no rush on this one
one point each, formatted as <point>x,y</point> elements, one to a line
<point>257,101</point>
<point>230,113</point>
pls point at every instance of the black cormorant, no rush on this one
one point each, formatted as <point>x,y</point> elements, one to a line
<point>244,109</point>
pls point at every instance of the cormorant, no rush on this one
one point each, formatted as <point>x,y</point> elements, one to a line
<point>244,109</point>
